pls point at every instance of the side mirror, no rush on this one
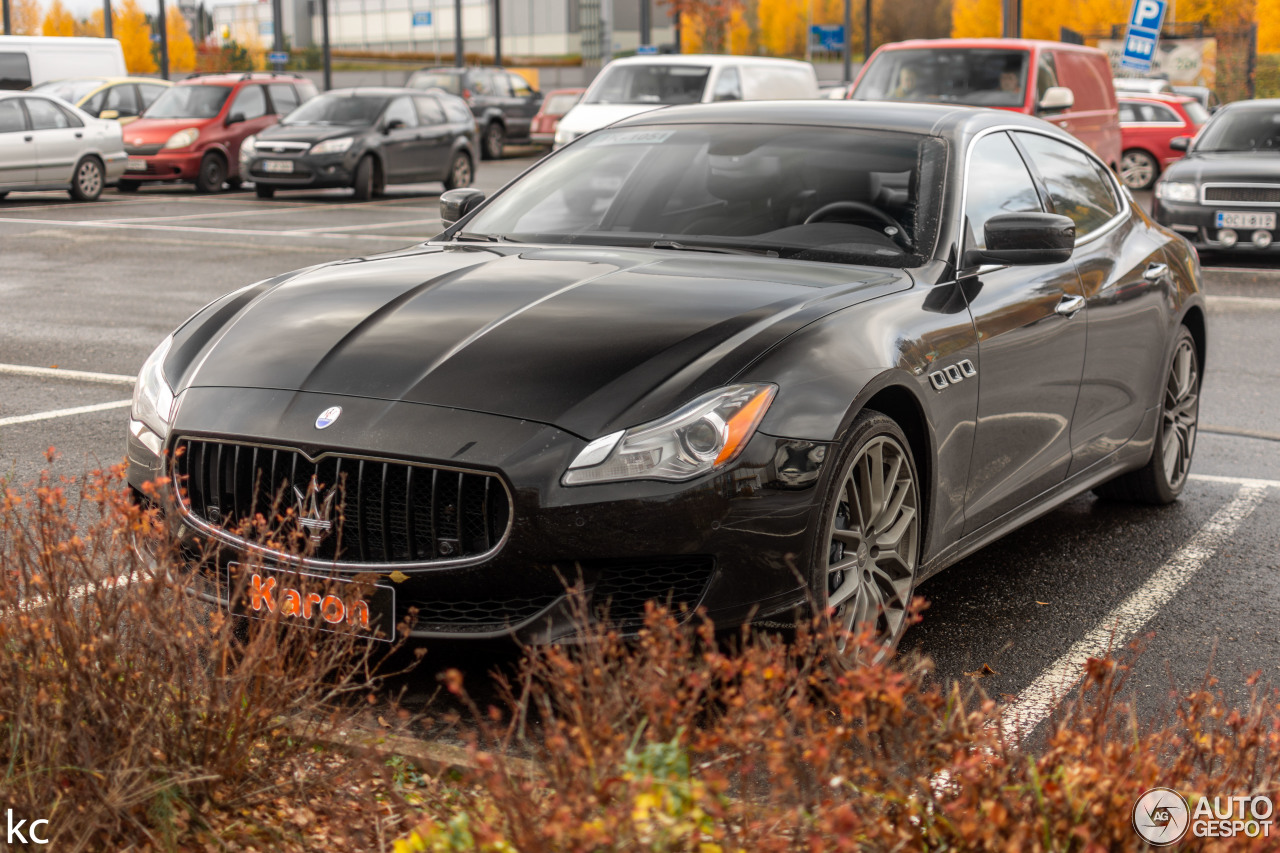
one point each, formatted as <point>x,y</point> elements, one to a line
<point>109,114</point>
<point>235,118</point>
<point>393,124</point>
<point>456,204</point>
<point>1025,239</point>
<point>1180,143</point>
<point>1057,98</point>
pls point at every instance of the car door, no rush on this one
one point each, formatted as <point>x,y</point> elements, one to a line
<point>524,104</point>
<point>436,140</point>
<point>254,111</point>
<point>1031,347</point>
<point>1124,280</point>
<point>59,136</point>
<point>17,146</point>
<point>401,145</point>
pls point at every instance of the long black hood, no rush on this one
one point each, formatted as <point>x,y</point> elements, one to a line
<point>307,132</point>
<point>585,339</point>
<point>1233,166</point>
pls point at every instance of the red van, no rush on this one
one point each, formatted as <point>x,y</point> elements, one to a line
<point>1067,84</point>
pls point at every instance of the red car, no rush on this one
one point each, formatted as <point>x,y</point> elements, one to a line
<point>193,131</point>
<point>556,103</point>
<point>1147,124</point>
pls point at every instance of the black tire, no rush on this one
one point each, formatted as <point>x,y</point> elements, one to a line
<point>234,184</point>
<point>264,192</point>
<point>850,565</point>
<point>1164,476</point>
<point>3,194</point>
<point>124,186</point>
<point>87,179</point>
<point>212,174</point>
<point>494,141</point>
<point>363,184</point>
<point>460,172</point>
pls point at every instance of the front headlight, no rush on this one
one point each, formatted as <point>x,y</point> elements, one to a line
<point>1175,191</point>
<point>152,396</point>
<point>183,138</point>
<point>333,146</point>
<point>249,143</point>
<point>564,137</point>
<point>708,433</point>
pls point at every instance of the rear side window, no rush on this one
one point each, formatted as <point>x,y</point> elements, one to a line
<point>519,86</point>
<point>122,99</point>
<point>251,103</point>
<point>45,115</point>
<point>458,110</point>
<point>1078,187</point>
<point>12,119</point>
<point>283,98</point>
<point>728,86</point>
<point>998,182</point>
<point>401,110</point>
<point>429,110</point>
<point>15,71</point>
<point>1128,112</point>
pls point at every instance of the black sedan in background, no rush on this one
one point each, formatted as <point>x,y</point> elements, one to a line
<point>740,355</point>
<point>365,139</point>
<point>1225,194</point>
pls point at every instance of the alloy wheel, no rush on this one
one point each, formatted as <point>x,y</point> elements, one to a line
<point>89,179</point>
<point>1181,414</point>
<point>1137,170</point>
<point>873,538</point>
<point>461,174</point>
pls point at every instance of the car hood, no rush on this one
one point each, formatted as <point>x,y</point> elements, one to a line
<point>586,339</point>
<point>147,131</point>
<point>307,132</point>
<point>1246,166</point>
<point>584,118</point>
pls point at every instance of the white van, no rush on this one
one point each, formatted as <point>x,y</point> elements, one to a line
<point>638,84</point>
<point>27,61</point>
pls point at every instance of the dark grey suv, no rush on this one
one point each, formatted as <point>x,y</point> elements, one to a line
<point>503,102</point>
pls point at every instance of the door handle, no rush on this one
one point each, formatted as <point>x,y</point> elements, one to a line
<point>1070,305</point>
<point>1155,272</point>
<point>79,134</point>
<point>27,138</point>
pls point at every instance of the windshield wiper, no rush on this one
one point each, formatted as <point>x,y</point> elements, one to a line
<point>723,250</point>
<point>472,237</point>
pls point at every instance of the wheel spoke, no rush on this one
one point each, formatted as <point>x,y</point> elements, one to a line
<point>847,537</point>
<point>893,536</point>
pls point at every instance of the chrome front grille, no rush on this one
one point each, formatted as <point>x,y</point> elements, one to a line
<point>354,510</point>
<point>1243,194</point>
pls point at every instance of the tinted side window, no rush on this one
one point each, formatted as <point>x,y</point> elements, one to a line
<point>1077,186</point>
<point>429,110</point>
<point>283,98</point>
<point>46,116</point>
<point>122,99</point>
<point>250,103</point>
<point>93,106</point>
<point>728,86</point>
<point>1162,114</point>
<point>1128,112</point>
<point>15,71</point>
<point>401,109</point>
<point>998,182</point>
<point>519,86</point>
<point>498,84</point>
<point>458,111</point>
<point>12,118</point>
<point>149,93</point>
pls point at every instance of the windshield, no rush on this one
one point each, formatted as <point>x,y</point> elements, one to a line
<point>810,193</point>
<point>1242,130</point>
<point>980,77</point>
<point>189,102</point>
<point>71,91</point>
<point>348,110</point>
<point>450,82</point>
<point>650,84</point>
<point>558,105</point>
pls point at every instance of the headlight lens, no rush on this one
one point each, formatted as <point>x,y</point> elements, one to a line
<point>152,396</point>
<point>706,434</point>
<point>333,146</point>
<point>1175,191</point>
<point>183,138</point>
<point>564,137</point>
<point>248,145</point>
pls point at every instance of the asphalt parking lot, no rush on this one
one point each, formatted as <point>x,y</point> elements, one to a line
<point>88,290</point>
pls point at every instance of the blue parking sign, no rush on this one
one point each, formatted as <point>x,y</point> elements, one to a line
<point>1144,33</point>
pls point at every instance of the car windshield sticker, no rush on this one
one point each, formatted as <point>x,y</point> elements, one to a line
<point>634,137</point>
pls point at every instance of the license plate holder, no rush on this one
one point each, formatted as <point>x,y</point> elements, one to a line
<point>135,164</point>
<point>309,600</point>
<point>1246,219</point>
<point>283,167</point>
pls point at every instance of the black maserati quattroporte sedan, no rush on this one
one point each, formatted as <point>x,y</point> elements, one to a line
<point>736,356</point>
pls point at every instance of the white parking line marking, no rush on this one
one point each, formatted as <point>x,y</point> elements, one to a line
<point>253,209</point>
<point>400,224</point>
<point>1235,481</point>
<point>1038,700</point>
<point>1251,302</point>
<point>195,229</point>
<point>73,375</point>
<point>62,413</point>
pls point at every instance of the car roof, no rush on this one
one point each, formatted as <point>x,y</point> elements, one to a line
<point>1007,44</point>
<point>107,79</point>
<point>378,91</point>
<point>230,78</point>
<point>1159,97</point>
<point>931,119</point>
<point>1257,103</point>
<point>714,60</point>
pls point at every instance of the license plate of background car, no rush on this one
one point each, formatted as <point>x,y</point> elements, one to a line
<point>264,591</point>
<point>277,166</point>
<point>1240,219</point>
<point>135,165</point>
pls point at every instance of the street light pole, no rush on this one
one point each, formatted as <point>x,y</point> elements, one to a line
<point>497,32</point>
<point>866,31</point>
<point>459,57</point>
<point>848,41</point>
<point>277,32</point>
<point>1012,14</point>
<point>646,25</point>
<point>324,47</point>
<point>164,42</point>
<point>8,28</point>
<point>108,31</point>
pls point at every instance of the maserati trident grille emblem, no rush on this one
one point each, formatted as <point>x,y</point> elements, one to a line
<point>328,416</point>
<point>314,509</point>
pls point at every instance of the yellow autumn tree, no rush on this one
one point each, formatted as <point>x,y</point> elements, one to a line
<point>25,17</point>
<point>782,26</point>
<point>976,18</point>
<point>131,28</point>
<point>1268,26</point>
<point>182,49</point>
<point>92,25</point>
<point>58,21</point>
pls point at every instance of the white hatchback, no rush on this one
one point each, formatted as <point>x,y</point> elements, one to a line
<point>46,144</point>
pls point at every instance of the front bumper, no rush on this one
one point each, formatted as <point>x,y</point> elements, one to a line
<point>114,164</point>
<point>164,166</point>
<point>308,170</point>
<point>732,542</point>
<point>1198,224</point>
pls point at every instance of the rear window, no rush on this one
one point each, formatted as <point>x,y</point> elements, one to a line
<point>449,81</point>
<point>15,71</point>
<point>650,84</point>
<point>980,77</point>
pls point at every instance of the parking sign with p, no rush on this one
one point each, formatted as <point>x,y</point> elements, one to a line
<point>1144,32</point>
